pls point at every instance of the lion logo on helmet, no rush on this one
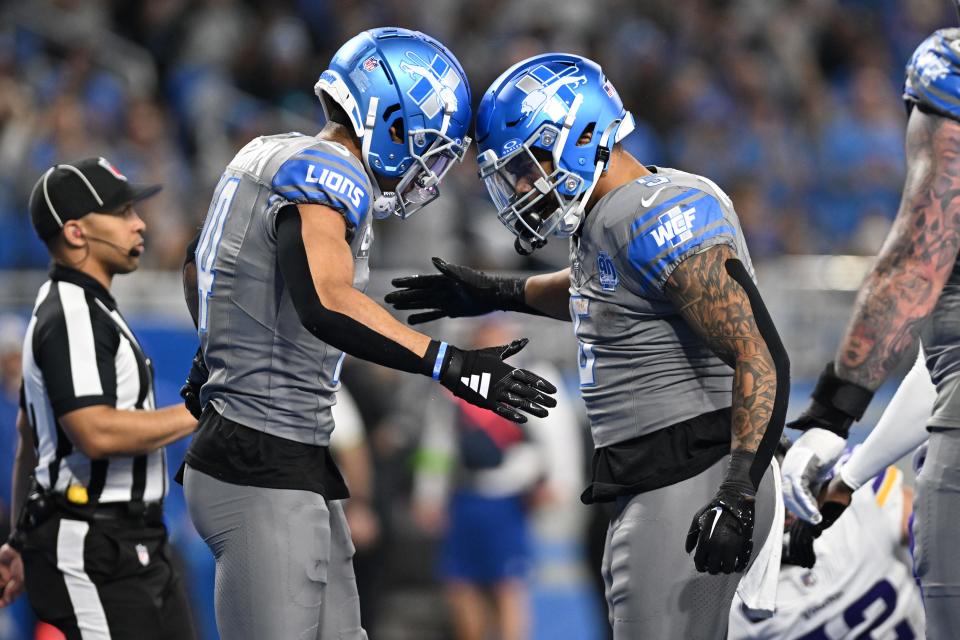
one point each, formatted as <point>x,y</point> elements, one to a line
<point>549,91</point>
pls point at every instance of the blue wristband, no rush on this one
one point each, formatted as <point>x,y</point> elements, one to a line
<point>438,364</point>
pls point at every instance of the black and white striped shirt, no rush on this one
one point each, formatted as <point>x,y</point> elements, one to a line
<point>79,352</point>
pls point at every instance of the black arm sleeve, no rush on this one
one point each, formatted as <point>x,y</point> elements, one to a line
<point>781,364</point>
<point>336,329</point>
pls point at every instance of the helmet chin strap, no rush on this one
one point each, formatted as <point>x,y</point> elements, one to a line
<point>565,129</point>
<point>572,220</point>
<point>384,204</point>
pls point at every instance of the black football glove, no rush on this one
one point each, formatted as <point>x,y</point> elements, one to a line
<point>481,377</point>
<point>190,391</point>
<point>798,546</point>
<point>835,404</point>
<point>455,293</point>
<point>722,533</point>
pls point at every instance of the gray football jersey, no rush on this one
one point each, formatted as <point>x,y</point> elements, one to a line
<point>641,367</point>
<point>941,345</point>
<point>267,371</point>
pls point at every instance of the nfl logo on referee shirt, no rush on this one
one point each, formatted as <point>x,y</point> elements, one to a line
<point>142,554</point>
<point>608,272</point>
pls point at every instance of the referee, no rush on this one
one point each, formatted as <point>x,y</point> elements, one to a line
<point>90,539</point>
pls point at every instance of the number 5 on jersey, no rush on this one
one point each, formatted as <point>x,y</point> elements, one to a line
<point>579,309</point>
<point>209,243</point>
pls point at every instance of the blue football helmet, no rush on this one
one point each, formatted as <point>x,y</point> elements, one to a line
<point>551,103</point>
<point>394,78</point>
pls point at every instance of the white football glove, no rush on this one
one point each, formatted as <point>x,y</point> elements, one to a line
<point>804,469</point>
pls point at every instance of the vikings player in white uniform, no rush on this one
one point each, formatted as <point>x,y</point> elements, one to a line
<point>681,370</point>
<point>859,587</point>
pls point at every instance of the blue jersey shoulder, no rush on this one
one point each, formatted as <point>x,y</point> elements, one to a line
<point>663,234</point>
<point>322,174</point>
<point>933,74</point>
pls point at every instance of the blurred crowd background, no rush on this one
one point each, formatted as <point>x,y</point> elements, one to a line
<point>792,106</point>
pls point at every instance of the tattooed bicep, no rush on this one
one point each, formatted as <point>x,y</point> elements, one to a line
<point>931,194</point>
<point>916,259</point>
<point>714,305</point>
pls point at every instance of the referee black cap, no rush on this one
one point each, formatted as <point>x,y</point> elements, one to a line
<point>71,191</point>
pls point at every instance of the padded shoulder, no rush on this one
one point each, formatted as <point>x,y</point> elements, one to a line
<point>681,222</point>
<point>933,74</point>
<point>326,174</point>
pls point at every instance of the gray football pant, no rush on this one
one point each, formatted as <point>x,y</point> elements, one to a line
<point>936,554</point>
<point>284,561</point>
<point>653,589</point>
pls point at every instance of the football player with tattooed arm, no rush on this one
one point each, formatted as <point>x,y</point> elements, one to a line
<point>280,268</point>
<point>912,291</point>
<point>681,369</point>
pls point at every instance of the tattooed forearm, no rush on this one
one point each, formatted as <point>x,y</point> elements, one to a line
<point>903,287</point>
<point>717,308</point>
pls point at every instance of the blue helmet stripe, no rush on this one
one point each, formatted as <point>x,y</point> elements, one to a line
<point>422,89</point>
<point>542,74</point>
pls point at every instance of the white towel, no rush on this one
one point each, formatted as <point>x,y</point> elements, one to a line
<point>758,586</point>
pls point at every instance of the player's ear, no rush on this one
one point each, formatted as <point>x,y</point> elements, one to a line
<point>73,234</point>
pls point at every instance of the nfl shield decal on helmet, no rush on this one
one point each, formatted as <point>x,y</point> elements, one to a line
<point>548,91</point>
<point>436,85</point>
<point>142,554</point>
<point>608,272</point>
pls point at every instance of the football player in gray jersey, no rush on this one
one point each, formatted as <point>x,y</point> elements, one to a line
<point>280,267</point>
<point>912,291</point>
<point>682,372</point>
